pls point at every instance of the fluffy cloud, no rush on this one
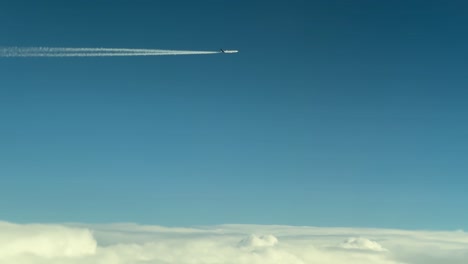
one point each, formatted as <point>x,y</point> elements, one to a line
<point>227,244</point>
<point>46,241</point>
<point>255,241</point>
<point>362,244</point>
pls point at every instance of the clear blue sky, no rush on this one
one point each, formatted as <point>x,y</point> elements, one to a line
<point>334,113</point>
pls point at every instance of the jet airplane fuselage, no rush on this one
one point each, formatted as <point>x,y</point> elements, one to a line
<point>229,51</point>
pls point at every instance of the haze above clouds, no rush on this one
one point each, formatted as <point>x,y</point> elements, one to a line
<point>132,243</point>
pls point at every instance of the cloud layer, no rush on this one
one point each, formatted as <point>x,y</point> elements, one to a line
<point>227,244</point>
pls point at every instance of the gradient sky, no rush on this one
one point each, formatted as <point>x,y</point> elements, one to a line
<point>334,113</point>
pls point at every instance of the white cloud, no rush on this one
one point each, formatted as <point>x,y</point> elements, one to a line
<point>47,241</point>
<point>362,244</point>
<point>227,244</point>
<point>254,241</point>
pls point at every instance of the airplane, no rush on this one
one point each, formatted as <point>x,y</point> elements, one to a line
<point>229,51</point>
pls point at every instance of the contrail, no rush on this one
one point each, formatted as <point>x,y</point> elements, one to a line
<point>91,52</point>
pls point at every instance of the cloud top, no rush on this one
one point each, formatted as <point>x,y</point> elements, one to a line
<point>227,244</point>
<point>255,241</point>
<point>45,241</point>
<point>362,244</point>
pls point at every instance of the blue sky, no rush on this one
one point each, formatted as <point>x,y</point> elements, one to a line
<point>334,113</point>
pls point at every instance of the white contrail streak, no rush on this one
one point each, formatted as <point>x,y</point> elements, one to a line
<point>91,52</point>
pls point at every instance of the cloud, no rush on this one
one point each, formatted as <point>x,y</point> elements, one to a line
<point>362,244</point>
<point>227,244</point>
<point>46,241</point>
<point>254,241</point>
